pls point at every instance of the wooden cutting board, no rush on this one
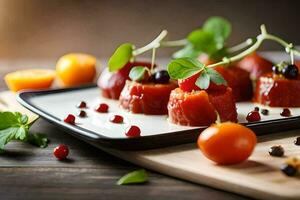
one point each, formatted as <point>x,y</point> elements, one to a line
<point>259,177</point>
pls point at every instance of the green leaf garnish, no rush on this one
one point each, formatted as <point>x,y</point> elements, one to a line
<point>182,68</point>
<point>120,57</point>
<point>138,176</point>
<point>137,73</point>
<point>216,77</point>
<point>187,51</point>
<point>220,27</point>
<point>14,126</point>
<point>203,41</point>
<point>38,139</point>
<point>203,80</point>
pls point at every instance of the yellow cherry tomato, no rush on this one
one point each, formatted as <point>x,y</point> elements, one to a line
<point>30,79</point>
<point>76,69</point>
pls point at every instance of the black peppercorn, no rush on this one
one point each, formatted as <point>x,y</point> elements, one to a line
<point>289,170</point>
<point>297,141</point>
<point>276,151</point>
<point>256,108</point>
<point>264,111</point>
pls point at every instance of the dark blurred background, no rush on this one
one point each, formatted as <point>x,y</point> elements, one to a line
<point>50,28</point>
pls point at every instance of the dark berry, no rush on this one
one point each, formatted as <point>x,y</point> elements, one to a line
<point>61,151</point>
<point>253,116</point>
<point>81,113</point>
<point>118,119</point>
<point>286,112</point>
<point>133,131</point>
<point>256,108</point>
<point>290,71</point>
<point>276,151</point>
<point>70,119</point>
<point>81,104</point>
<point>161,77</point>
<point>297,141</point>
<point>102,108</point>
<point>275,69</point>
<point>289,170</point>
<point>264,111</point>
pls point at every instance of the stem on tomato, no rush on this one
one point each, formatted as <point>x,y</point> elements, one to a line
<point>154,44</point>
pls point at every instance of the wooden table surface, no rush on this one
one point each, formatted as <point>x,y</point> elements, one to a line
<point>28,172</point>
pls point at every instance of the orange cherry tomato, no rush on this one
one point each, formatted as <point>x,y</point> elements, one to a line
<point>227,143</point>
<point>76,69</point>
<point>30,79</point>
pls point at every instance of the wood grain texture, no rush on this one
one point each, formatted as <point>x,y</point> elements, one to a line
<point>258,177</point>
<point>28,172</point>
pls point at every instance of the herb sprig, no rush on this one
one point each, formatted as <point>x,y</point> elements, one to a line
<point>15,126</point>
<point>135,177</point>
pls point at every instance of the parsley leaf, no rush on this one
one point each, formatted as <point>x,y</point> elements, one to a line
<point>203,80</point>
<point>182,68</point>
<point>216,77</point>
<point>209,39</point>
<point>15,126</point>
<point>120,57</point>
<point>187,51</point>
<point>138,176</point>
<point>38,139</point>
<point>220,27</point>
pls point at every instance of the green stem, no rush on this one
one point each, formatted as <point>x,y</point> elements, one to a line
<point>240,46</point>
<point>154,44</point>
<point>174,43</point>
<point>260,38</point>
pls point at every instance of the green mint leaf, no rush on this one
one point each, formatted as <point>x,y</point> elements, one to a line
<point>24,119</point>
<point>38,139</point>
<point>182,68</point>
<point>203,41</point>
<point>220,27</point>
<point>12,133</point>
<point>9,119</point>
<point>187,51</point>
<point>138,176</point>
<point>120,57</point>
<point>216,77</point>
<point>137,73</point>
<point>203,81</point>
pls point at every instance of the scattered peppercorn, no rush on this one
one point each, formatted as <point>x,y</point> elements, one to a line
<point>286,112</point>
<point>256,108</point>
<point>276,151</point>
<point>289,170</point>
<point>81,113</point>
<point>264,111</point>
<point>81,104</point>
<point>297,141</point>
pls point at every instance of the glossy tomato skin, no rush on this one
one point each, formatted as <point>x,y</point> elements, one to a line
<point>276,91</point>
<point>112,83</point>
<point>256,65</point>
<point>227,143</point>
<point>198,108</point>
<point>147,98</point>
